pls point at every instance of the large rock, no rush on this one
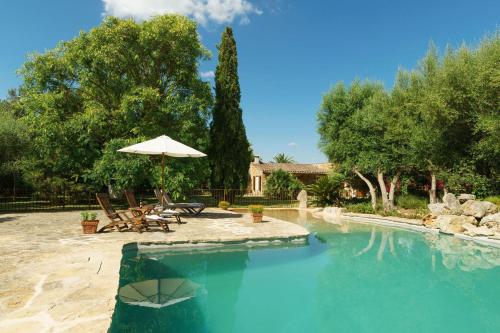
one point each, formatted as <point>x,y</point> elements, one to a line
<point>429,221</point>
<point>491,221</point>
<point>453,224</point>
<point>472,230</point>
<point>466,197</point>
<point>302,197</point>
<point>438,209</point>
<point>478,208</point>
<point>451,201</point>
<point>443,209</point>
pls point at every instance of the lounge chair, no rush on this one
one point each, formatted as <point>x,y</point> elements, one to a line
<point>119,219</point>
<point>132,203</point>
<point>192,208</point>
<point>148,211</point>
<point>142,218</point>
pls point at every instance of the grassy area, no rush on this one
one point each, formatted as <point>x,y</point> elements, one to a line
<point>411,202</point>
<point>408,206</point>
<point>494,198</point>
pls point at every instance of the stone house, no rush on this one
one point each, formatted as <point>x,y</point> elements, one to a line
<point>306,173</point>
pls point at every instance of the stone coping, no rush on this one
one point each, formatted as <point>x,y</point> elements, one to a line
<point>396,219</point>
<point>55,279</point>
<point>370,219</point>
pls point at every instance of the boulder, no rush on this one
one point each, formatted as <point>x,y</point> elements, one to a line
<point>438,209</point>
<point>472,230</point>
<point>302,198</point>
<point>466,197</point>
<point>429,221</point>
<point>491,208</point>
<point>491,221</point>
<point>478,208</point>
<point>484,231</point>
<point>450,201</point>
<point>443,209</point>
<point>496,236</point>
<point>453,224</point>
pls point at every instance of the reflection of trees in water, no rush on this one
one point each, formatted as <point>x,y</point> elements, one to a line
<point>386,235</point>
<point>361,288</point>
<point>464,255</point>
<point>218,272</point>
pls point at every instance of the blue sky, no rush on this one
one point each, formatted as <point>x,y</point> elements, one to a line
<point>290,52</point>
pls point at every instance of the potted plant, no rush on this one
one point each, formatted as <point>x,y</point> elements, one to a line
<point>89,222</point>
<point>224,205</point>
<point>256,211</point>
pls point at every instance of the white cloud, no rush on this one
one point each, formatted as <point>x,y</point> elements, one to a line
<point>292,144</point>
<point>207,74</point>
<point>203,11</point>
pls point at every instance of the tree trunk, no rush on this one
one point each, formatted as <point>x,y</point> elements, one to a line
<point>383,190</point>
<point>432,191</point>
<point>370,187</point>
<point>392,190</point>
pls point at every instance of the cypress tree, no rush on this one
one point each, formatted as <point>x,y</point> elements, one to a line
<point>229,151</point>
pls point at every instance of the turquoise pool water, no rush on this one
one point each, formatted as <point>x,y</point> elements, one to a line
<point>347,278</point>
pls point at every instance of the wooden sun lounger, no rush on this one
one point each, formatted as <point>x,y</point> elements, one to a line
<point>151,212</point>
<point>118,219</point>
<point>143,218</point>
<point>192,208</point>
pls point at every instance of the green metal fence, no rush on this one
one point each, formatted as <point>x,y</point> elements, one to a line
<point>25,200</point>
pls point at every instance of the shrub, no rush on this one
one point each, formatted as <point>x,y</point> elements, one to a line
<point>256,209</point>
<point>411,202</point>
<point>326,191</point>
<point>360,207</point>
<point>464,179</point>
<point>224,204</point>
<point>92,216</point>
<point>84,216</point>
<point>281,183</point>
<point>494,198</point>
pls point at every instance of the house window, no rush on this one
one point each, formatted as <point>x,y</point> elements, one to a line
<point>256,184</point>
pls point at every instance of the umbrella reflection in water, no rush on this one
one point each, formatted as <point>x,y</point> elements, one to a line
<point>158,293</point>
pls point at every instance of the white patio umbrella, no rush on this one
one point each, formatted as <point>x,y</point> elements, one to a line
<point>164,146</point>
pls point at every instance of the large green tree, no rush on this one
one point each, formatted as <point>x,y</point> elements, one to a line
<point>13,142</point>
<point>229,150</point>
<point>451,106</point>
<point>441,119</point>
<point>352,126</point>
<point>121,80</point>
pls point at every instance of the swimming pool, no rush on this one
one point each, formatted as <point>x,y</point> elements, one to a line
<point>349,277</point>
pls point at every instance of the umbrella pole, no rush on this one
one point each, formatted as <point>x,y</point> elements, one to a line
<point>162,179</point>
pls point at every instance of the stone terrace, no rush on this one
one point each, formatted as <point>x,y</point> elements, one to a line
<point>55,279</point>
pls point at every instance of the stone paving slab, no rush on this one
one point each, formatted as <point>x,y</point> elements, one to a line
<point>55,279</point>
